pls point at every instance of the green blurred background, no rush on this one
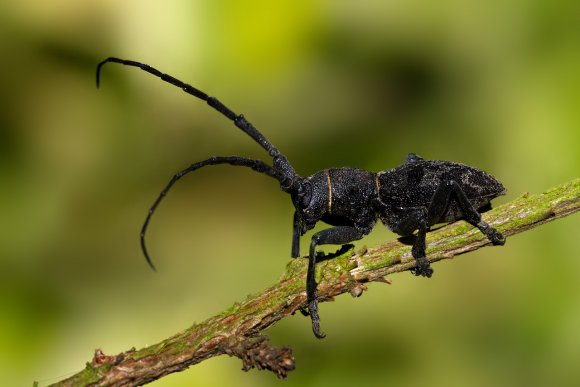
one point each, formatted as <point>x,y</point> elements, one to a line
<point>492,84</point>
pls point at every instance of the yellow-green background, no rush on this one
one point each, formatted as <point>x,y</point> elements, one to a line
<point>331,83</point>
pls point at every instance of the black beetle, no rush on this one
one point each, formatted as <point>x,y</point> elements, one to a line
<point>413,196</point>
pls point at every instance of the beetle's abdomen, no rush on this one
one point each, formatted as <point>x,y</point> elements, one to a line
<point>415,183</point>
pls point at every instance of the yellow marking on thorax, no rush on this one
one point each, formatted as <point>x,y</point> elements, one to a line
<point>329,192</point>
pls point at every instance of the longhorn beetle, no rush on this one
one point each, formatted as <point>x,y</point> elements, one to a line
<point>413,196</point>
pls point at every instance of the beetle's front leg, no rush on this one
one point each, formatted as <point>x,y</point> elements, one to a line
<point>331,236</point>
<point>296,233</point>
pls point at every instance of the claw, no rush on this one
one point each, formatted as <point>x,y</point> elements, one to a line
<point>313,310</point>
<point>423,268</point>
<point>496,237</point>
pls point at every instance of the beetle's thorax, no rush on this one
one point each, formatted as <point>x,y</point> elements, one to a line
<point>338,196</point>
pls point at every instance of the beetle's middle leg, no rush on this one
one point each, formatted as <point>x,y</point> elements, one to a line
<point>331,236</point>
<point>411,219</point>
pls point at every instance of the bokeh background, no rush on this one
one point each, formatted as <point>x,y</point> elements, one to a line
<point>492,84</point>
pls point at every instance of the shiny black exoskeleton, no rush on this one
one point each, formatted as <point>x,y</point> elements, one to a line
<point>413,196</point>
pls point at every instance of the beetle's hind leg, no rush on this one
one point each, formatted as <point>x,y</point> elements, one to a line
<point>420,218</point>
<point>449,190</point>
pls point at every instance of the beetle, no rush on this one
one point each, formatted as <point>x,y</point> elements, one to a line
<point>411,197</point>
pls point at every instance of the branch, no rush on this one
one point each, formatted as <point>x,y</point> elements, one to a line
<point>236,331</point>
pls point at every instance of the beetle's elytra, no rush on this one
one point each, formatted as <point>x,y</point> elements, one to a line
<point>408,198</point>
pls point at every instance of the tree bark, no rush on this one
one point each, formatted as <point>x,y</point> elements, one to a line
<point>236,331</point>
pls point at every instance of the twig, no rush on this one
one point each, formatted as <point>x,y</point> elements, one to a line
<point>236,331</point>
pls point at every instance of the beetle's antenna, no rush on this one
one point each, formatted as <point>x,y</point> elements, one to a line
<point>256,165</point>
<point>238,120</point>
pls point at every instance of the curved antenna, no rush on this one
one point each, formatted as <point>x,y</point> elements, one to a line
<point>238,120</point>
<point>256,165</point>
